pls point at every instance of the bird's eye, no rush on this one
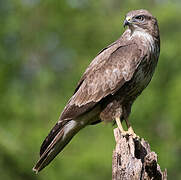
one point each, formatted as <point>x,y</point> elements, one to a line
<point>140,18</point>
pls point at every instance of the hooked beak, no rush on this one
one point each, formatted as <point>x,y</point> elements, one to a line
<point>127,22</point>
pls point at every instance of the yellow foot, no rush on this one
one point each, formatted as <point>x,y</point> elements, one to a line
<point>130,132</point>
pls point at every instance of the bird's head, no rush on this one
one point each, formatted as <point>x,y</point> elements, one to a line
<point>141,20</point>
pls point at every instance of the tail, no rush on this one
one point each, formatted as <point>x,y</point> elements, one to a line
<point>58,138</point>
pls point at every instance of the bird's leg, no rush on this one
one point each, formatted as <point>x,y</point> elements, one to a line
<point>118,122</point>
<point>130,129</point>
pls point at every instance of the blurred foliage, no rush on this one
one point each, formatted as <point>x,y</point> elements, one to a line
<point>45,46</point>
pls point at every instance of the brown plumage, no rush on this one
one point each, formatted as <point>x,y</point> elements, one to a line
<point>110,84</point>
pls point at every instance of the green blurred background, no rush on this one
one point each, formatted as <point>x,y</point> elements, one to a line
<point>45,45</point>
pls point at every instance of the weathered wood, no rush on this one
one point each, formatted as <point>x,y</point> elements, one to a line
<point>133,160</point>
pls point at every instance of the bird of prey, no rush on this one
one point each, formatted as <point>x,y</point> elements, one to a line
<point>110,84</point>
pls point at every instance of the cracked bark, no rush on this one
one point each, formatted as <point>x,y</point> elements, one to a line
<point>133,160</point>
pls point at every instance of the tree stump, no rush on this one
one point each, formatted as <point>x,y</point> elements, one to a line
<point>133,160</point>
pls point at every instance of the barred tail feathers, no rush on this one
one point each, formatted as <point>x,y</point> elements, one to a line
<point>58,138</point>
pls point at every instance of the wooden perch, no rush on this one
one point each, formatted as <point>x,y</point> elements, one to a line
<point>133,160</point>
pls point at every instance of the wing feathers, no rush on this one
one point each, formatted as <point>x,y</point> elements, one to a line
<point>105,75</point>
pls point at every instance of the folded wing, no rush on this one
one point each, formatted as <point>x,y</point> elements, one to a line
<point>105,75</point>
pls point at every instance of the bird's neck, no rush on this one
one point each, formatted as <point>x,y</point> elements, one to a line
<point>139,33</point>
<point>145,38</point>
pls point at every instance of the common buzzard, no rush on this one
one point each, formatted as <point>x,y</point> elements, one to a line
<point>110,84</point>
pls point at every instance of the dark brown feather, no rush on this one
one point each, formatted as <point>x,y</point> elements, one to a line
<point>103,77</point>
<point>55,130</point>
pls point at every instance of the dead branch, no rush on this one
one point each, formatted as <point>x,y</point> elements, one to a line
<point>133,160</point>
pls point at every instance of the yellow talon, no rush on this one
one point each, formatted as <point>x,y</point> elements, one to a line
<point>119,125</point>
<point>130,130</point>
